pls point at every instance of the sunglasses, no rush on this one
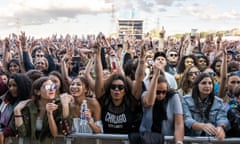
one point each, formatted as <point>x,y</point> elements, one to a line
<point>235,82</point>
<point>193,73</point>
<point>40,55</point>
<point>202,61</point>
<point>171,55</point>
<point>49,87</point>
<point>40,63</point>
<point>158,92</point>
<point>114,86</point>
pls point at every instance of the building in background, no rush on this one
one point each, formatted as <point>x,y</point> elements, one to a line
<point>131,27</point>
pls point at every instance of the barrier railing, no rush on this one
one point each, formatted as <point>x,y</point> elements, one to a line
<point>123,139</point>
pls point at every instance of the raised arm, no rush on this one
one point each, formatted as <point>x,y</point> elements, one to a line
<point>99,83</point>
<point>139,75</point>
<point>223,72</point>
<point>149,99</point>
<point>64,69</point>
<point>87,73</point>
<point>6,52</point>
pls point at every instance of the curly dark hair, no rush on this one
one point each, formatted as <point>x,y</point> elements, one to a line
<point>206,59</point>
<point>24,86</point>
<point>181,65</point>
<point>196,94</point>
<point>128,97</point>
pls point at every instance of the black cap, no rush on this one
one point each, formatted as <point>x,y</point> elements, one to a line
<point>159,54</point>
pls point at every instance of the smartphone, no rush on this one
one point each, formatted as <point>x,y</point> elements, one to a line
<point>76,58</point>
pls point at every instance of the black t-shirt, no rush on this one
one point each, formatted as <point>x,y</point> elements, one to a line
<point>116,119</point>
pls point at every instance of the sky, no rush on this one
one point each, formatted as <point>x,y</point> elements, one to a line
<point>43,18</point>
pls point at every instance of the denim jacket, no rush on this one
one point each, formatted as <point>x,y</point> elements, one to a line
<point>217,115</point>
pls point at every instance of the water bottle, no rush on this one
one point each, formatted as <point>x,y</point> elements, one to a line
<point>83,119</point>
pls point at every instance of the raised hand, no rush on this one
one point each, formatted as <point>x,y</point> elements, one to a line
<point>50,107</point>
<point>20,106</point>
<point>23,39</point>
<point>66,99</point>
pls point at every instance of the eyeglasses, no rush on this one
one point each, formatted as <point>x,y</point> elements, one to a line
<point>235,82</point>
<point>171,55</point>
<point>114,86</point>
<point>158,92</point>
<point>193,73</point>
<point>49,87</point>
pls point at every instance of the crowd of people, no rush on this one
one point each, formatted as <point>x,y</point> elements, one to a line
<point>174,86</point>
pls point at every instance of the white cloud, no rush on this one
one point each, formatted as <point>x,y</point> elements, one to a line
<point>209,12</point>
<point>33,12</point>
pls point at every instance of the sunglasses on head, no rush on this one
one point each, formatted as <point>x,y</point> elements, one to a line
<point>114,86</point>
<point>193,73</point>
<point>49,87</point>
<point>158,92</point>
<point>212,73</point>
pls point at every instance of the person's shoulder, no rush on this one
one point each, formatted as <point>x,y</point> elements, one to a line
<point>92,101</point>
<point>188,96</point>
<point>167,74</point>
<point>218,99</point>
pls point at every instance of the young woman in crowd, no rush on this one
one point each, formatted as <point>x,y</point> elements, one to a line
<point>203,62</point>
<point>119,98</point>
<point>61,84</point>
<point>189,75</point>
<point>79,89</point>
<point>44,117</point>
<point>19,88</point>
<point>13,66</point>
<point>162,108</point>
<point>4,75</point>
<point>184,62</point>
<point>204,114</point>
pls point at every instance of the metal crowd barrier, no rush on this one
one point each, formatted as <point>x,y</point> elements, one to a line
<point>81,138</point>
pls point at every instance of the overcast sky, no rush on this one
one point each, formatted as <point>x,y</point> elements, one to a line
<point>45,17</point>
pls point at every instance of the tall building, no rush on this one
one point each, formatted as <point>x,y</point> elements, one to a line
<point>130,27</point>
